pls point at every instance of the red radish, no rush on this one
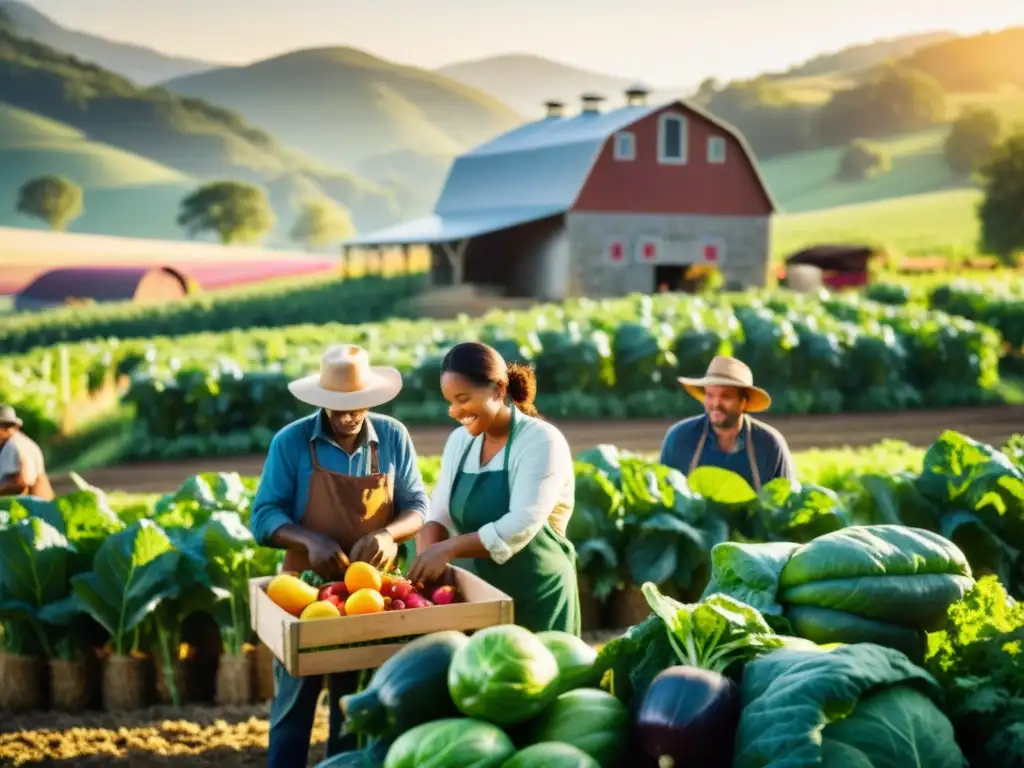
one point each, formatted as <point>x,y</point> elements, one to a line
<point>415,600</point>
<point>335,599</point>
<point>401,589</point>
<point>334,588</point>
<point>443,595</point>
<point>396,605</point>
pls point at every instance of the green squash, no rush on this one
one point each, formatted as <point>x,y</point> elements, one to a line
<point>408,689</point>
<point>503,675</point>
<point>370,757</point>
<point>575,659</point>
<point>551,754</point>
<point>590,720</point>
<point>455,742</point>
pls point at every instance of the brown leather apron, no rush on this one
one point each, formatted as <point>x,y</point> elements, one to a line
<point>750,452</point>
<point>344,507</point>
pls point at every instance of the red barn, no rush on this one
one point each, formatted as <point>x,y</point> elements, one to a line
<point>600,203</point>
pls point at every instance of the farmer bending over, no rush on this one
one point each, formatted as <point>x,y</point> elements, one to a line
<point>726,435</point>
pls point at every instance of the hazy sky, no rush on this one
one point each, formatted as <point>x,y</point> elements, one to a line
<point>666,43</point>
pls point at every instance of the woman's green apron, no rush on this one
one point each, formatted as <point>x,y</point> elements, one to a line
<point>541,577</point>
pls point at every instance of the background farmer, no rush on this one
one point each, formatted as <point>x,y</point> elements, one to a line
<point>726,435</point>
<point>22,470</point>
<point>339,484</point>
<point>505,493</point>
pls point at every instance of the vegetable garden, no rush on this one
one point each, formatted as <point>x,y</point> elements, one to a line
<point>209,394</point>
<point>877,606</point>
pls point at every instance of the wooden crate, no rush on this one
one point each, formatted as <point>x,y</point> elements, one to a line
<point>291,640</point>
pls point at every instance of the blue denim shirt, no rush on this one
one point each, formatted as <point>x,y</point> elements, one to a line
<point>771,451</point>
<point>284,485</point>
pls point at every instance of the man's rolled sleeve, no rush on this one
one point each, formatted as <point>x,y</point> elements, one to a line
<point>410,493</point>
<point>274,505</point>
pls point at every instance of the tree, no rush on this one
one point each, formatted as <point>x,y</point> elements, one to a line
<point>322,221</point>
<point>861,159</point>
<point>971,139</point>
<point>893,100</point>
<point>1002,210</point>
<point>53,199</point>
<point>235,211</point>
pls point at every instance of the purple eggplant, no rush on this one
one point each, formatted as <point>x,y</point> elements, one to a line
<point>689,718</point>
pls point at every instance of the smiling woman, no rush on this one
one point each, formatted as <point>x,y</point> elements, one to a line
<point>505,492</point>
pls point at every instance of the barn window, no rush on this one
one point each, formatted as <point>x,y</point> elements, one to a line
<point>716,149</point>
<point>671,139</point>
<point>625,146</point>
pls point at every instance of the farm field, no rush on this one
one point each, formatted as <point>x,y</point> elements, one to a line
<point>930,224</point>
<point>837,489</point>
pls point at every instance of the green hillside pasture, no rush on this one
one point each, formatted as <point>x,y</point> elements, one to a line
<point>125,194</point>
<point>936,224</point>
<point>805,181</point>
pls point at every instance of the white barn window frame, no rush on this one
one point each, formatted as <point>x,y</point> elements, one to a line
<point>716,150</point>
<point>624,146</point>
<point>669,122</point>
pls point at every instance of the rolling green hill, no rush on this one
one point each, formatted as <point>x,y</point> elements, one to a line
<point>142,65</point>
<point>125,194</point>
<point>935,224</point>
<point>194,138</point>
<point>346,107</point>
<point>856,58</point>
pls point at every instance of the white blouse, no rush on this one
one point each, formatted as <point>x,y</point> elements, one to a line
<point>541,478</point>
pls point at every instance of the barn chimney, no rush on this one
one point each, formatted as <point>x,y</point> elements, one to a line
<point>636,96</point>
<point>554,108</point>
<point>592,103</point>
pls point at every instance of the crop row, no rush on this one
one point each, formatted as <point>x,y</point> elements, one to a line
<point>635,521</point>
<point>615,359</point>
<point>321,299</point>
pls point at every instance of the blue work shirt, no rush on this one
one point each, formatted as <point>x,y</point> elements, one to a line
<point>771,453</point>
<point>284,485</point>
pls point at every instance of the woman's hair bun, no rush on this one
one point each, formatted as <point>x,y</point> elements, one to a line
<point>522,387</point>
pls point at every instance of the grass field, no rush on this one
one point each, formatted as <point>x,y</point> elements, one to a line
<point>121,189</point>
<point>936,224</point>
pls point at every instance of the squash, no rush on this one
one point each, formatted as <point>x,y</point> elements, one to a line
<point>372,756</point>
<point>590,720</point>
<point>291,594</point>
<point>503,675</point>
<point>551,754</point>
<point>456,742</point>
<point>408,689</point>
<point>575,659</point>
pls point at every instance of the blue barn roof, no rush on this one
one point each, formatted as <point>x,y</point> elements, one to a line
<point>529,173</point>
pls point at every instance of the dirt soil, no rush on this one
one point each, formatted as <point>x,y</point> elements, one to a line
<point>990,424</point>
<point>228,737</point>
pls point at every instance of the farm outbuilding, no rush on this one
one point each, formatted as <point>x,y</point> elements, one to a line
<point>599,203</point>
<point>142,285</point>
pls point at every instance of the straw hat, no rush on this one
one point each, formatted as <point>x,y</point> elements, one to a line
<point>729,372</point>
<point>9,417</point>
<point>347,382</point>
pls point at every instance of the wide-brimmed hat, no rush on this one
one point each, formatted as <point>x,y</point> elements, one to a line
<point>347,381</point>
<point>726,371</point>
<point>8,416</point>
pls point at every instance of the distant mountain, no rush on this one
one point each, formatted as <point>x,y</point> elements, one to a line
<point>857,58</point>
<point>114,121</point>
<point>346,107</point>
<point>142,65</point>
<point>525,82</point>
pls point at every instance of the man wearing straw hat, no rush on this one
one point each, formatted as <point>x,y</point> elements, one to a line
<point>22,470</point>
<point>340,484</point>
<point>725,435</point>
